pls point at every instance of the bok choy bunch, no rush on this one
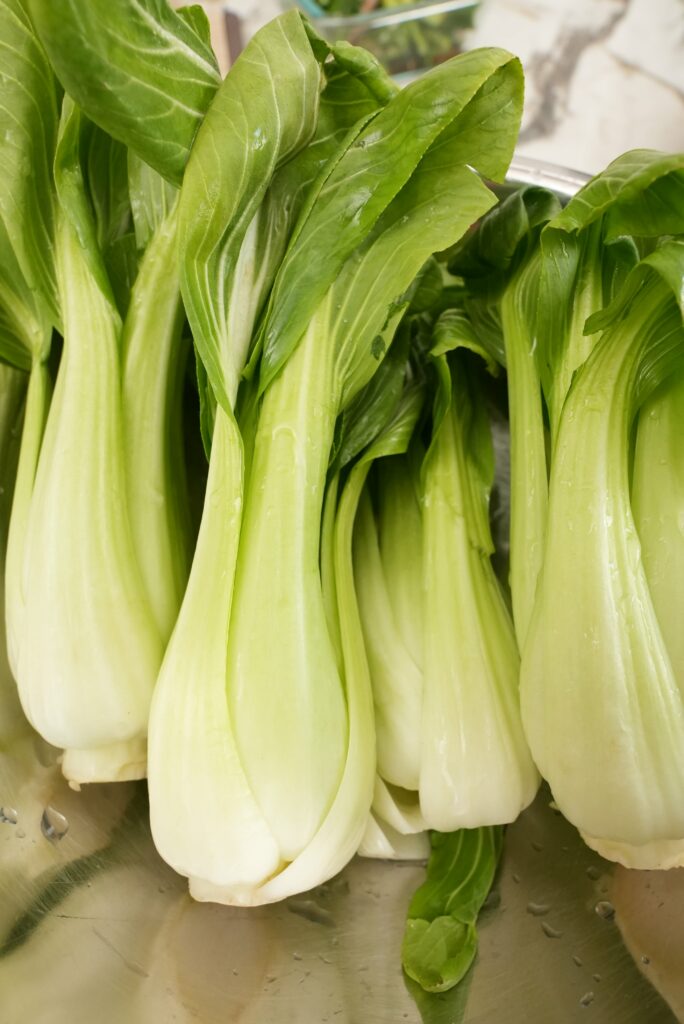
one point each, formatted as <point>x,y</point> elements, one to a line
<point>443,657</point>
<point>269,747</point>
<point>99,539</point>
<point>105,547</point>
<point>530,299</point>
<point>596,663</point>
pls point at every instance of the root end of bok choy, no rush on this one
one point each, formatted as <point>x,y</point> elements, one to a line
<point>116,762</point>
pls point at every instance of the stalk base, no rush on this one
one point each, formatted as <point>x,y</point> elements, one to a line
<point>117,762</point>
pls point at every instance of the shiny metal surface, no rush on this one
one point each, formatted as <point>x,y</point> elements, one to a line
<point>95,929</point>
<point>561,180</point>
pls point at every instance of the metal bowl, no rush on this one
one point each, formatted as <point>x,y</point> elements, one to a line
<point>96,929</point>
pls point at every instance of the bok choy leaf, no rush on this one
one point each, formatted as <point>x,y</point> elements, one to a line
<point>440,941</point>
<point>140,71</point>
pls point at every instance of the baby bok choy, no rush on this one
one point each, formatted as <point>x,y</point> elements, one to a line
<point>89,624</point>
<point>451,752</point>
<point>99,541</point>
<point>602,692</point>
<point>269,747</point>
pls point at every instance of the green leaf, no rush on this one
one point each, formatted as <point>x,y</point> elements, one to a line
<point>640,192</point>
<point>345,105</point>
<point>440,940</point>
<point>139,71</point>
<point>106,172</point>
<point>441,1007</point>
<point>453,113</point>
<point>455,330</point>
<point>488,256</point>
<point>363,66</point>
<point>663,357</point>
<point>369,411</point>
<point>151,198</point>
<point>586,257</point>
<point>439,952</point>
<point>24,332</point>
<point>122,263</point>
<point>196,17</point>
<point>75,203</point>
<point>28,132</point>
<point>428,288</point>
<point>263,114</point>
<point>438,203</point>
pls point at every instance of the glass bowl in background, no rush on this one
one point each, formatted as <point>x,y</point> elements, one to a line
<point>407,38</point>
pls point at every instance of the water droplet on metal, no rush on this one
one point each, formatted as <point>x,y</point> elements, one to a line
<point>587,999</point>
<point>516,878</point>
<point>577,961</point>
<point>596,977</point>
<point>53,824</point>
<point>537,909</point>
<point>593,872</point>
<point>297,956</point>
<point>537,846</point>
<point>549,931</point>
<point>645,959</point>
<point>20,834</point>
<point>8,816</point>
<point>605,909</point>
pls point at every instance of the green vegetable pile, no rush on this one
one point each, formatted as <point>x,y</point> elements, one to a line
<point>301,269</point>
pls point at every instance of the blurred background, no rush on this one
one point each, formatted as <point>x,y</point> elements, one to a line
<point>602,76</point>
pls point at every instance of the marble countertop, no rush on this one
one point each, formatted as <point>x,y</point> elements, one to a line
<point>602,76</point>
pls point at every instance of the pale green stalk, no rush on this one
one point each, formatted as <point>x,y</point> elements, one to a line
<point>529,483</point>
<point>401,541</point>
<point>98,642</point>
<point>475,765</point>
<point>397,679</point>
<point>13,386</point>
<point>585,298</point>
<point>35,415</point>
<point>289,687</point>
<point>227,838</point>
<point>153,360</point>
<point>658,509</point>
